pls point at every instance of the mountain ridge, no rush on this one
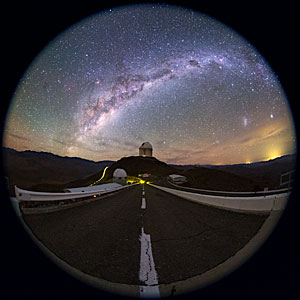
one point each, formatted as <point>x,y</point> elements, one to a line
<point>45,171</point>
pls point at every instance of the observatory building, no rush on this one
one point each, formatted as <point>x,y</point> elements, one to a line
<point>120,176</point>
<point>145,150</point>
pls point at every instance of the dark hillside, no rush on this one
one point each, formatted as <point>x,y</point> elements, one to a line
<point>267,173</point>
<point>135,165</point>
<point>42,171</point>
<point>219,180</point>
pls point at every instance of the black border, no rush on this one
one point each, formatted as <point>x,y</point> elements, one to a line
<point>271,27</point>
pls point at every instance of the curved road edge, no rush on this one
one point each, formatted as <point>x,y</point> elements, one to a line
<point>260,204</point>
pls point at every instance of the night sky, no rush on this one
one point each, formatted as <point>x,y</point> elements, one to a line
<point>193,88</point>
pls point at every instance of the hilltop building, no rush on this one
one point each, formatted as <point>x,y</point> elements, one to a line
<point>145,150</point>
<point>120,176</point>
<point>175,178</point>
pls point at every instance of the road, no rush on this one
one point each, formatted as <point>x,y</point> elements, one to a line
<point>144,236</point>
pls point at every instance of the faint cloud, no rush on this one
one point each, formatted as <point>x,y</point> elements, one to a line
<point>18,137</point>
<point>60,142</point>
<point>261,134</point>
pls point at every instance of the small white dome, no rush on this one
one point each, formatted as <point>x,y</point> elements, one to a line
<point>146,145</point>
<point>119,173</point>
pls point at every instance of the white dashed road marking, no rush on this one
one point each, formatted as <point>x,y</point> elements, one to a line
<point>147,274</point>
<point>143,203</point>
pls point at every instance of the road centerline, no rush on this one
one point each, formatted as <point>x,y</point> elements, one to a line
<point>143,203</point>
<point>147,274</point>
<point>143,206</point>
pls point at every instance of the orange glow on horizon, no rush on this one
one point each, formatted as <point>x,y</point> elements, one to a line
<point>275,153</point>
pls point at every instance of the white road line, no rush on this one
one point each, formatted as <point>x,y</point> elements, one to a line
<point>147,274</point>
<point>143,193</point>
<point>143,203</point>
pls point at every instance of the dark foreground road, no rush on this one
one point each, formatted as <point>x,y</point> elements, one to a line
<point>103,238</point>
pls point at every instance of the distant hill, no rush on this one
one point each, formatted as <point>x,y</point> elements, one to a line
<point>184,167</point>
<point>42,171</point>
<point>198,177</point>
<point>219,180</point>
<point>239,177</point>
<point>135,165</point>
<point>266,173</point>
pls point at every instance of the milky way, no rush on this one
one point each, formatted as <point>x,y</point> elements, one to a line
<point>192,87</point>
<point>128,87</point>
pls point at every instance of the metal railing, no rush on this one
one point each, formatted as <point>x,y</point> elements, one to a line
<point>266,192</point>
<point>267,203</point>
<point>25,195</point>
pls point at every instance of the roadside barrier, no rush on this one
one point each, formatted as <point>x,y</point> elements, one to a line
<point>25,195</point>
<point>256,204</point>
<point>224,193</point>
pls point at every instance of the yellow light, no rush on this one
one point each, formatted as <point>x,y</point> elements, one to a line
<point>131,181</point>
<point>273,154</point>
<point>103,173</point>
<point>273,157</point>
<point>142,181</point>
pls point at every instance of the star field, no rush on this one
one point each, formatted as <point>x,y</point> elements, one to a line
<point>192,87</point>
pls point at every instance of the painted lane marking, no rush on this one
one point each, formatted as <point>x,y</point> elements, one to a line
<point>143,193</point>
<point>147,274</point>
<point>143,203</point>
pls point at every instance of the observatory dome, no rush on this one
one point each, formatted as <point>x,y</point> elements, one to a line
<point>145,149</point>
<point>146,145</point>
<point>119,173</point>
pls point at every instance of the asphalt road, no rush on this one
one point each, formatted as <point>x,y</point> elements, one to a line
<point>103,238</point>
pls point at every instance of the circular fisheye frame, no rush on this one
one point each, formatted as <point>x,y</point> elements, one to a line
<point>149,150</point>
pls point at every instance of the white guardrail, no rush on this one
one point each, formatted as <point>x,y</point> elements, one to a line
<point>247,204</point>
<point>24,195</point>
<point>234,193</point>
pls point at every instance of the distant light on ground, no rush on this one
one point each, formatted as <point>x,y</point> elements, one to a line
<point>103,173</point>
<point>274,154</point>
<point>273,157</point>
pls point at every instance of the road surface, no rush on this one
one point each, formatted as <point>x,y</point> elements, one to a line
<point>144,236</point>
